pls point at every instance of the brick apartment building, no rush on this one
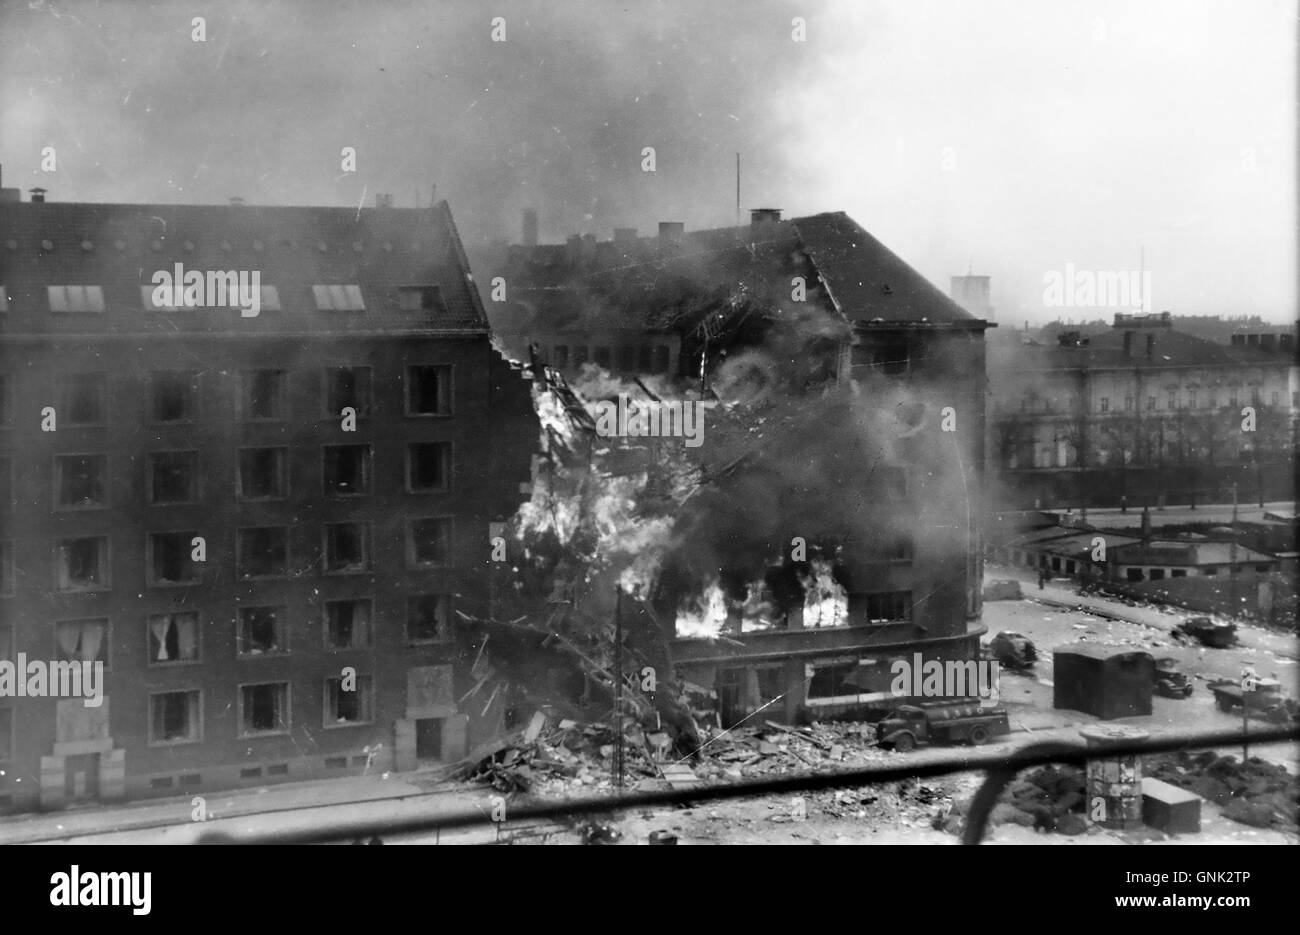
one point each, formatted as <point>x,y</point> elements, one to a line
<point>136,439</point>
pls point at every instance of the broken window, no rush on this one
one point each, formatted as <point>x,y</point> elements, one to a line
<point>602,356</point>
<point>84,399</point>
<point>263,394</point>
<point>430,541</point>
<point>420,299</point>
<point>579,355</point>
<point>428,466</point>
<point>75,298</point>
<point>344,706</point>
<point>174,395</point>
<point>260,631</point>
<point>644,358</point>
<point>173,637</point>
<point>347,387</point>
<point>173,476</point>
<point>82,640</point>
<point>426,618</point>
<point>83,563</point>
<point>834,680</point>
<point>6,400</point>
<point>561,360</point>
<point>662,356</point>
<point>169,558</point>
<point>338,298</point>
<point>428,390</point>
<point>347,624</point>
<point>346,547</point>
<point>884,607</point>
<point>174,717</point>
<point>262,473</point>
<point>627,358</point>
<point>347,469</point>
<point>264,709</point>
<point>263,551</point>
<point>80,481</point>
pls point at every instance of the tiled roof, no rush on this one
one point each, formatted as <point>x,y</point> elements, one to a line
<point>120,246</point>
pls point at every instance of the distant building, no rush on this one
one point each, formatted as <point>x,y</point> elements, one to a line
<point>235,513</point>
<point>1141,414</point>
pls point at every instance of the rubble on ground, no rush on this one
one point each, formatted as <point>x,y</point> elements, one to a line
<point>1255,793</point>
<point>1049,799</point>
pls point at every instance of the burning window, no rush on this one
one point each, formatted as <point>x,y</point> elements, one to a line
<point>262,473</point>
<point>347,387</point>
<point>173,476</point>
<point>263,551</point>
<point>82,640</point>
<point>260,631</point>
<point>428,390</point>
<point>83,563</point>
<point>173,638</point>
<point>75,298</point>
<point>426,618</point>
<point>343,298</point>
<point>883,607</point>
<point>428,466</point>
<point>347,469</point>
<point>420,299</point>
<point>80,480</point>
<point>264,709</point>
<point>174,395</point>
<point>347,624</point>
<point>346,547</point>
<point>344,706</point>
<point>429,541</point>
<point>169,558</point>
<point>263,394</point>
<point>174,717</point>
<point>84,399</point>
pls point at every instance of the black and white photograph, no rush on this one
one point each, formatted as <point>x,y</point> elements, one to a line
<point>566,422</point>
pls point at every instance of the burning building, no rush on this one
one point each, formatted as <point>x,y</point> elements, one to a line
<point>262,525</point>
<point>829,523</point>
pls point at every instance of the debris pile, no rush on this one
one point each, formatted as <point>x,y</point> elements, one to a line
<point>1049,799</point>
<point>1255,793</point>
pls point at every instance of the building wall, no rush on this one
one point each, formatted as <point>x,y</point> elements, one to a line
<point>492,431</point>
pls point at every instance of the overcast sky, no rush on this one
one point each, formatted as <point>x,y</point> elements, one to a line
<point>1007,136</point>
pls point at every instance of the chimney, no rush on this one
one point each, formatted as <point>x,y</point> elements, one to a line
<point>760,216</point>
<point>383,200</point>
<point>670,232</point>
<point>38,195</point>
<point>530,227</point>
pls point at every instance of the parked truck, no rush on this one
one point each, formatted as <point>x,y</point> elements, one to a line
<point>1266,701</point>
<point>965,722</point>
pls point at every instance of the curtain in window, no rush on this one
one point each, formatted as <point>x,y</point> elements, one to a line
<point>69,636</point>
<point>187,637</point>
<point>92,635</point>
<point>158,627</point>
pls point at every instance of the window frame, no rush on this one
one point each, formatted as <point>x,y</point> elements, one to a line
<point>64,394</point>
<point>448,410</point>
<point>105,481</point>
<point>149,578</point>
<point>106,644</point>
<point>106,558</point>
<point>368,467</point>
<point>412,561</point>
<point>153,663</point>
<point>198,718</point>
<point>328,724</point>
<point>448,462</point>
<point>283,480</point>
<point>367,546</point>
<point>286,722</point>
<point>329,645</point>
<point>444,627</point>
<point>281,631</point>
<point>196,490</point>
<point>239,557</point>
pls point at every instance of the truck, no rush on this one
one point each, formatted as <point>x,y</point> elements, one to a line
<point>1012,650</point>
<point>1170,681</point>
<point>1207,631</point>
<point>1267,700</point>
<point>964,722</point>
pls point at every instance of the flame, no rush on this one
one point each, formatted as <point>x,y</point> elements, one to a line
<point>825,604</point>
<point>705,616</point>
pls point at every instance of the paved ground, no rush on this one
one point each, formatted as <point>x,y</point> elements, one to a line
<point>1247,511</point>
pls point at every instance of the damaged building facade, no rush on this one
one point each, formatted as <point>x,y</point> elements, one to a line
<point>262,525</point>
<point>809,628</point>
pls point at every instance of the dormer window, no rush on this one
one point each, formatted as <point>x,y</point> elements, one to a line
<point>345,298</point>
<point>76,298</point>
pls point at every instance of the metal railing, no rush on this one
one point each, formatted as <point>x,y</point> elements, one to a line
<point>999,769</point>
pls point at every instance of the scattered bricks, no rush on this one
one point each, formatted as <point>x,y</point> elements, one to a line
<point>1255,814</point>
<point>1170,809</point>
<point>1071,824</point>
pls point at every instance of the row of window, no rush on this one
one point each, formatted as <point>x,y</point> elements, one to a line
<point>82,398</point>
<point>177,638</point>
<point>1172,402</point>
<point>82,481</point>
<point>84,563</point>
<point>223,291</point>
